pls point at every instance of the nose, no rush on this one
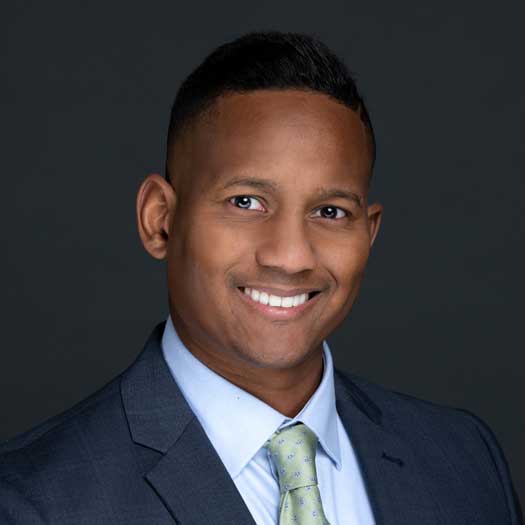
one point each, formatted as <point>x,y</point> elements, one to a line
<point>285,246</point>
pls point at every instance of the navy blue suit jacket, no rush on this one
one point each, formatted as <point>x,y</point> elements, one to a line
<point>135,453</point>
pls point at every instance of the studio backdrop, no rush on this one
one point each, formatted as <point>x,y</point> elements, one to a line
<point>86,94</point>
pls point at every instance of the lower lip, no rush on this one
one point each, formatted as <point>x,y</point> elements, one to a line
<point>278,312</point>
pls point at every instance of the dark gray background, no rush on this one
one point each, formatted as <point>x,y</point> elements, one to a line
<point>85,96</point>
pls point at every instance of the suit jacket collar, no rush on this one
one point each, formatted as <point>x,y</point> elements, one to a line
<point>192,481</point>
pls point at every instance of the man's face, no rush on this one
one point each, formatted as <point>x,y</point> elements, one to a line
<point>250,212</point>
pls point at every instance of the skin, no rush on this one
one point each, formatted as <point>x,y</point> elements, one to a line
<point>284,237</point>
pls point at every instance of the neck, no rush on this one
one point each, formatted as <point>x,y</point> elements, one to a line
<point>287,390</point>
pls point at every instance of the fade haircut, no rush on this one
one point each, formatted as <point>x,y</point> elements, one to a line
<point>266,60</point>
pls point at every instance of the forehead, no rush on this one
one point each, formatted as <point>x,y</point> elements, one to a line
<point>280,133</point>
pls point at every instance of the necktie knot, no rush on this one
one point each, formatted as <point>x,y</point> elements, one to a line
<point>293,452</point>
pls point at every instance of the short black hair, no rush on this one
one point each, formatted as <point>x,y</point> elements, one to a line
<point>266,60</point>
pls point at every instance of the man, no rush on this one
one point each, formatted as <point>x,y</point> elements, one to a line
<point>233,413</point>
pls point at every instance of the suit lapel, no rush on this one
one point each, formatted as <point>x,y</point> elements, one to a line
<point>395,487</point>
<point>191,481</point>
<point>189,477</point>
<point>194,485</point>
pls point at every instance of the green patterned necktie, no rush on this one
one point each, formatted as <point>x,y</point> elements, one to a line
<point>293,452</point>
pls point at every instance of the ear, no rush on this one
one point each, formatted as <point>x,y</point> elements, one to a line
<point>375,214</point>
<point>156,201</point>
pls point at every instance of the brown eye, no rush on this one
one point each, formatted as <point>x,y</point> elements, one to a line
<point>243,201</point>
<point>331,212</point>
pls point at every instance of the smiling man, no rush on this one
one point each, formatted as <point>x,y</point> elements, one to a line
<point>234,412</point>
<point>267,231</point>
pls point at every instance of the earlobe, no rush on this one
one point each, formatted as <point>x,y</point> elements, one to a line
<point>375,214</point>
<point>154,206</point>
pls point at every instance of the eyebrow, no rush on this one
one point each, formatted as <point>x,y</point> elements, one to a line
<point>333,193</point>
<point>264,184</point>
<point>254,182</point>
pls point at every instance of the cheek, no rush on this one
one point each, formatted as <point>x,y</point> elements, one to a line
<point>348,269</point>
<point>211,250</point>
<point>346,261</point>
<point>199,261</point>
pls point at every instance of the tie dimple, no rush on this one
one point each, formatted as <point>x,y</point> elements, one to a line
<point>293,452</point>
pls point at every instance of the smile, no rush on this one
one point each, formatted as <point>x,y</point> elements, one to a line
<point>278,307</point>
<point>276,300</point>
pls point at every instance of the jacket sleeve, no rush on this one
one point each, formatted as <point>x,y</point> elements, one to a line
<point>502,468</point>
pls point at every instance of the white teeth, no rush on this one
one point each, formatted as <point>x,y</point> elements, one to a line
<point>275,300</point>
<point>287,302</point>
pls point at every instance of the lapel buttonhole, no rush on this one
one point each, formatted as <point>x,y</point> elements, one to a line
<point>397,461</point>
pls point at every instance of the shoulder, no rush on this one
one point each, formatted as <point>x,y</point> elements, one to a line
<point>84,463</point>
<point>89,407</point>
<point>405,413</point>
<point>42,462</point>
<point>416,419</point>
<point>454,435</point>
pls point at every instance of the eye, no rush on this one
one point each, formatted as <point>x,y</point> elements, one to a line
<point>331,210</point>
<point>243,201</point>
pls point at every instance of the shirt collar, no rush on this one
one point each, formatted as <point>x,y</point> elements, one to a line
<point>221,406</point>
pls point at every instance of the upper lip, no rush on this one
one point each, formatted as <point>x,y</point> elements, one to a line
<point>279,291</point>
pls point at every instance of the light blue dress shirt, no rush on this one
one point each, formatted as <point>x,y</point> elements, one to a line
<point>221,407</point>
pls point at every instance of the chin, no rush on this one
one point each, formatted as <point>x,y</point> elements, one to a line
<point>274,357</point>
